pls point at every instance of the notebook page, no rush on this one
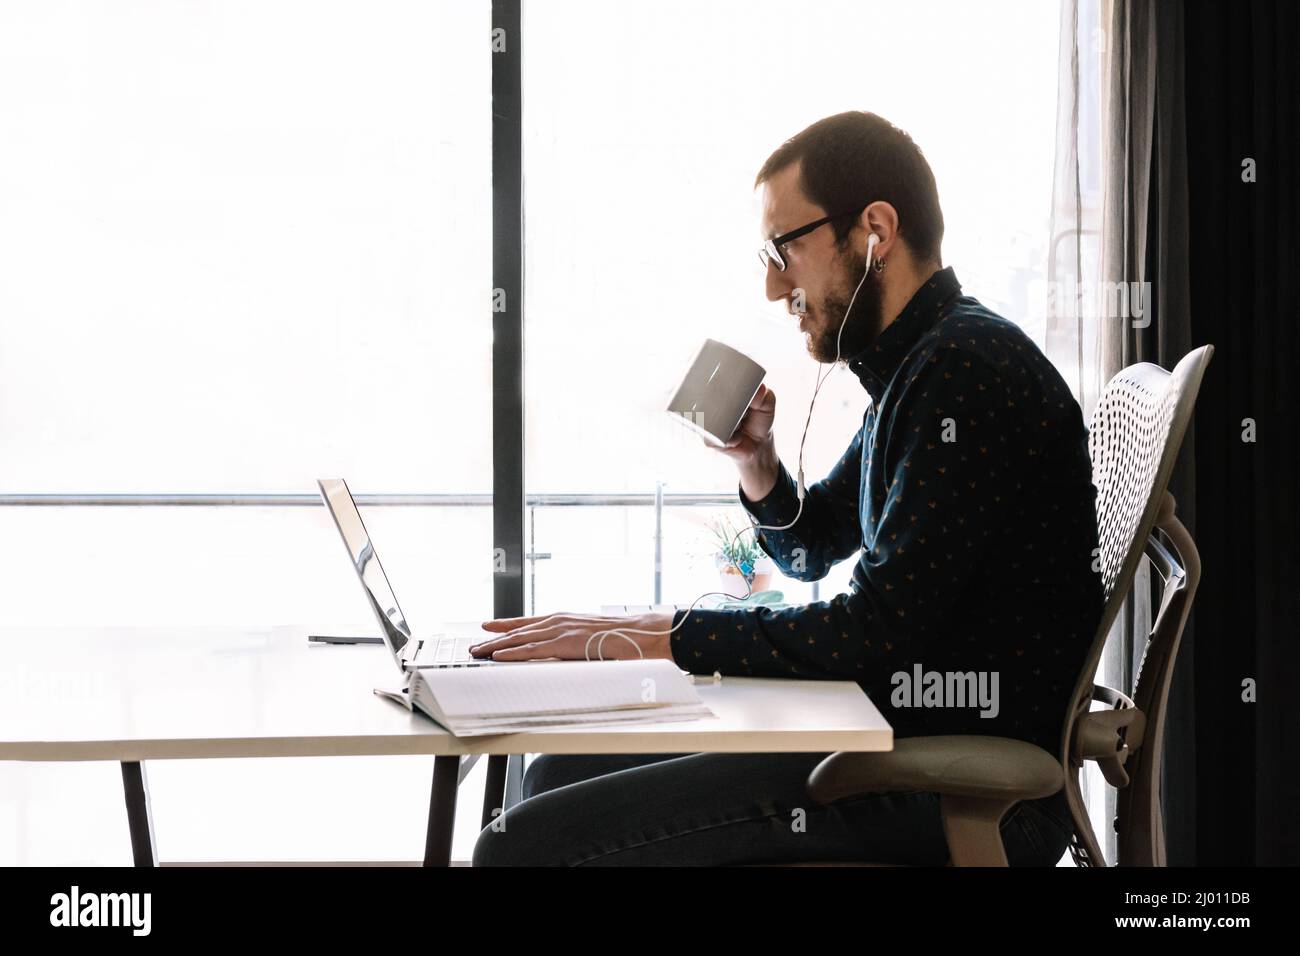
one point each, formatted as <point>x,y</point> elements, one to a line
<point>557,687</point>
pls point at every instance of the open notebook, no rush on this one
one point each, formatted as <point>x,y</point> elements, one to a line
<point>473,701</point>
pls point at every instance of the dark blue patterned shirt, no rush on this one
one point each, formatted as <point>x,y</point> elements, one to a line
<point>968,500</point>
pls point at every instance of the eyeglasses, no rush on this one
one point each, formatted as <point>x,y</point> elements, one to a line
<point>771,250</point>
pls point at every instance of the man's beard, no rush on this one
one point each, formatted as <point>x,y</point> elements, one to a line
<point>862,327</point>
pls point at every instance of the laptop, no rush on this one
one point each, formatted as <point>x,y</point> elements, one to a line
<point>410,653</point>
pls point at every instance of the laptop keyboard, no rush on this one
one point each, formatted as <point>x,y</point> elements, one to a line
<point>447,649</point>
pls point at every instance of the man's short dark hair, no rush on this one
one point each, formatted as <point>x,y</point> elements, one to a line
<point>855,158</point>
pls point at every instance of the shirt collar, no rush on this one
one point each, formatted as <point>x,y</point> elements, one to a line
<point>875,365</point>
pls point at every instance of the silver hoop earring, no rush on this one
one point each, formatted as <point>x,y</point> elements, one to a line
<point>879,265</point>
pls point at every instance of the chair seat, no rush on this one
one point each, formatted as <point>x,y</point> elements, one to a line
<point>997,768</point>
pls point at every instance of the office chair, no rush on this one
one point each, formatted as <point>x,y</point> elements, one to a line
<point>1137,430</point>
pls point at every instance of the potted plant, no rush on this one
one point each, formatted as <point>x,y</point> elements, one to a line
<point>741,563</point>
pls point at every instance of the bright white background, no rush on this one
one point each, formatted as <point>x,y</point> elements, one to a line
<point>246,244</point>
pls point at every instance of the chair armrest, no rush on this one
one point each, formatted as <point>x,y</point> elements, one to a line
<point>963,765</point>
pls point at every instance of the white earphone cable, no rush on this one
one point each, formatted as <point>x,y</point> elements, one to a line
<point>822,375</point>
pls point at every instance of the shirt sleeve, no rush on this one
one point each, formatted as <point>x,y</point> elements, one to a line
<point>951,449</point>
<point>828,529</point>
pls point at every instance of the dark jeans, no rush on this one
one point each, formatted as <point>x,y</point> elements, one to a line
<point>721,809</point>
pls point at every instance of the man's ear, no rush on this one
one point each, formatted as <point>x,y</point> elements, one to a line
<point>882,219</point>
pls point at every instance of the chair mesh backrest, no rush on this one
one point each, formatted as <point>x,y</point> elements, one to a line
<point>1130,429</point>
<point>1137,429</point>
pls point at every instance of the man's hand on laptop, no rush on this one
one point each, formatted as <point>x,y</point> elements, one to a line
<point>577,637</point>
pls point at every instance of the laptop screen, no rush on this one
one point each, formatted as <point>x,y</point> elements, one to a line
<point>339,501</point>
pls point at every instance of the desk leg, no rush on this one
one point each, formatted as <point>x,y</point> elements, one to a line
<point>139,816</point>
<point>494,792</point>
<point>514,781</point>
<point>442,811</point>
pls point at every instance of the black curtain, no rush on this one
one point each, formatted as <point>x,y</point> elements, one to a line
<point>1240,104</point>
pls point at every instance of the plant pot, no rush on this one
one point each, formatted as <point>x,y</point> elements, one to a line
<point>734,583</point>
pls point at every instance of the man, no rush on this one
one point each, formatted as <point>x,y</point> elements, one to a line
<point>966,495</point>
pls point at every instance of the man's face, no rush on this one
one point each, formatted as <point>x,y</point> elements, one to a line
<point>819,272</point>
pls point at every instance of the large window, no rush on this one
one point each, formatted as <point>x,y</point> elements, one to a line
<point>243,245</point>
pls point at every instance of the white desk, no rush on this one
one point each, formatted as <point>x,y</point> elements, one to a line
<point>137,694</point>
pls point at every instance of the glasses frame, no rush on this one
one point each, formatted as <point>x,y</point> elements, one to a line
<point>771,249</point>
